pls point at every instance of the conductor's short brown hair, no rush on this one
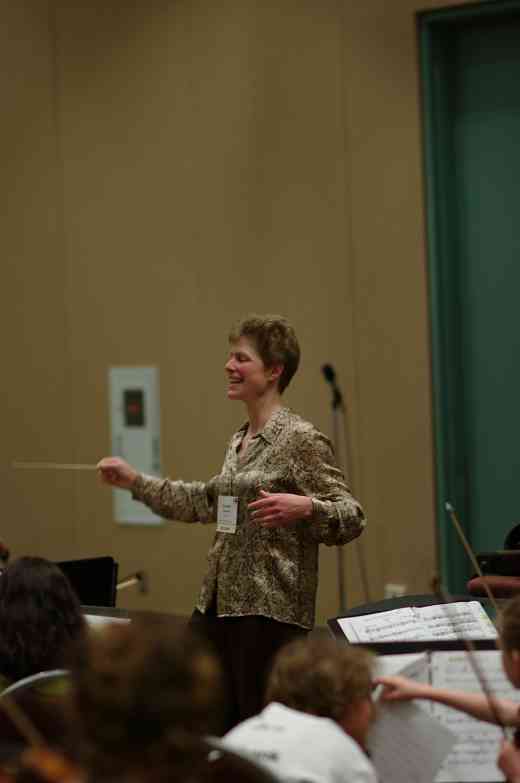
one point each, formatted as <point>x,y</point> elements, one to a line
<point>275,340</point>
<point>321,677</point>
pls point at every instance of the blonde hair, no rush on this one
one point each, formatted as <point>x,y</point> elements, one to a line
<point>321,677</point>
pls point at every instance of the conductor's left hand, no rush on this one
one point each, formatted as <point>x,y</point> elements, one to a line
<point>278,509</point>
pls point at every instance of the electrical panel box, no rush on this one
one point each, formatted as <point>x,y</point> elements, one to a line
<point>135,425</point>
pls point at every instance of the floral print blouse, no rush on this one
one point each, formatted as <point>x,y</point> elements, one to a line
<point>265,571</point>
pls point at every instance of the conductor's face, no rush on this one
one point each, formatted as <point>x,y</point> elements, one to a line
<point>248,378</point>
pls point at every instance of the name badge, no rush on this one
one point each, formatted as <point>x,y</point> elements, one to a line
<point>227,514</point>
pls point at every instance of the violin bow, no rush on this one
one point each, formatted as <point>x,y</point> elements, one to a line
<point>53,766</point>
<point>469,551</point>
<point>22,722</point>
<point>446,599</point>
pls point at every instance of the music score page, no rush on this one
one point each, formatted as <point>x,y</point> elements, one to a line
<point>439,741</point>
<point>457,620</point>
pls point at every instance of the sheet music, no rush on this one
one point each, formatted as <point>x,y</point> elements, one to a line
<point>414,665</point>
<point>461,619</point>
<point>457,620</point>
<point>408,726</point>
<point>383,626</point>
<point>473,758</point>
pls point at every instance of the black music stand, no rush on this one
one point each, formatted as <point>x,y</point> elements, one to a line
<point>94,579</point>
<point>402,645</point>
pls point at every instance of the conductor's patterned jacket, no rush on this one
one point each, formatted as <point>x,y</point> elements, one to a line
<point>256,570</point>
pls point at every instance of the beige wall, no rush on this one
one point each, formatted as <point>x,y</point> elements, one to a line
<point>169,168</point>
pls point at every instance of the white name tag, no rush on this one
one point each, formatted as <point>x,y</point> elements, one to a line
<point>227,514</point>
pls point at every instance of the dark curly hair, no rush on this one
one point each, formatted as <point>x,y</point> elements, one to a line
<point>39,616</point>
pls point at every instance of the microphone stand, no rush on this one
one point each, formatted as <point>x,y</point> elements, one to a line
<point>339,432</point>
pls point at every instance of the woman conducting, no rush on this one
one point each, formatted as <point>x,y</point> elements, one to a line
<point>278,496</point>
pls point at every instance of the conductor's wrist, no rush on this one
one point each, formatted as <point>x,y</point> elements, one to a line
<point>137,486</point>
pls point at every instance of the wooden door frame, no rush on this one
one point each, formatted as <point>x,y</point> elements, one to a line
<point>447,371</point>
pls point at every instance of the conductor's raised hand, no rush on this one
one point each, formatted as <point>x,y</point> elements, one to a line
<point>400,689</point>
<point>278,509</point>
<point>116,472</point>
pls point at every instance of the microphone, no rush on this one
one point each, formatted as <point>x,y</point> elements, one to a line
<point>330,376</point>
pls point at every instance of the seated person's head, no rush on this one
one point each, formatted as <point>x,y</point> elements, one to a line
<point>509,633</point>
<point>144,693</point>
<point>323,678</point>
<point>40,616</point>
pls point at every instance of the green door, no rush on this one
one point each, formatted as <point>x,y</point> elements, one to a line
<point>472,110</point>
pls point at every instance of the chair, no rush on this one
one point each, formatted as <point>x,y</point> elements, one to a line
<point>94,579</point>
<point>501,569</point>
<point>500,586</point>
<point>43,699</point>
